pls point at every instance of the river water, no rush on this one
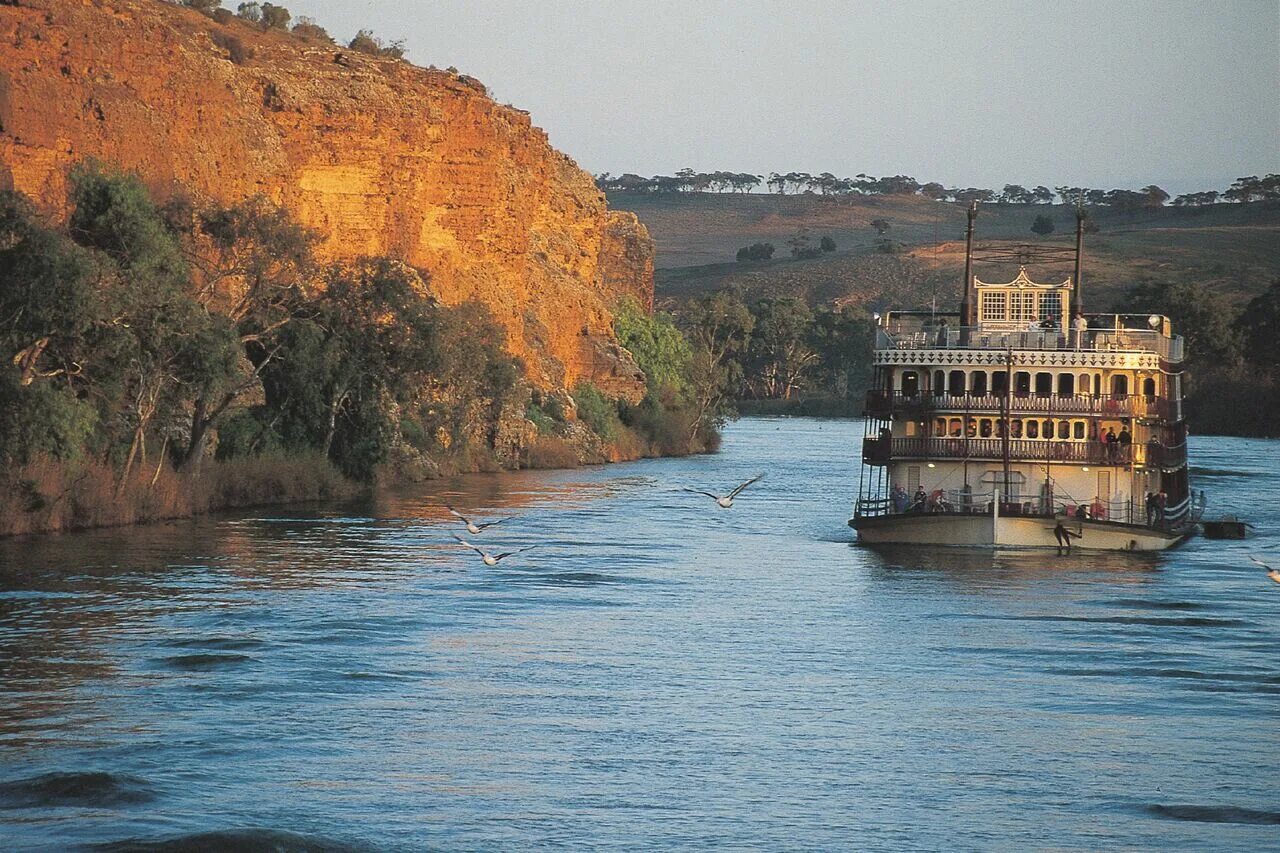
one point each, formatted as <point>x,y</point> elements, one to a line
<point>657,674</point>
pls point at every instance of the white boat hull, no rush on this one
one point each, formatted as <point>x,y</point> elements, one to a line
<point>987,531</point>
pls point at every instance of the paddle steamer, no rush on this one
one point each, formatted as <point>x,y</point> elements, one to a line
<point>1021,420</point>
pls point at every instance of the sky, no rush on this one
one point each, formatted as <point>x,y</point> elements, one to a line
<point>979,93</point>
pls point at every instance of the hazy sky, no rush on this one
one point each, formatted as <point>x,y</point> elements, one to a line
<point>978,93</point>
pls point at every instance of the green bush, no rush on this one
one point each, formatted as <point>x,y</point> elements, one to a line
<point>596,410</point>
<point>660,350</point>
<point>42,419</point>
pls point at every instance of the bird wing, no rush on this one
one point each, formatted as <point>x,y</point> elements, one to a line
<point>700,492</point>
<point>462,541</point>
<point>1260,563</point>
<point>454,512</point>
<point>517,551</point>
<point>489,524</point>
<point>739,489</point>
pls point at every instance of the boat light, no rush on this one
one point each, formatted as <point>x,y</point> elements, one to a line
<point>931,465</point>
<point>1085,468</point>
<point>1153,320</point>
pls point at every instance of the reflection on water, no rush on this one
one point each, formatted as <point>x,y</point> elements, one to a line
<point>656,673</point>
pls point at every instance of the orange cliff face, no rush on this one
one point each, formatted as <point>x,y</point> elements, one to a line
<point>380,156</point>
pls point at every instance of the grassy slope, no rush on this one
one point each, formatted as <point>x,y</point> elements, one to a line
<point>1234,247</point>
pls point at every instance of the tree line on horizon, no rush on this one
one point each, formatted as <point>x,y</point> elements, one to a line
<point>1244,190</point>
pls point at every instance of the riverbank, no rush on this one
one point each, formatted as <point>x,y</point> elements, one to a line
<point>51,496</point>
<point>48,496</point>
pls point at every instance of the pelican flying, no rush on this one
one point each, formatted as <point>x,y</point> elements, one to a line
<point>726,501</point>
<point>490,559</point>
<point>473,528</point>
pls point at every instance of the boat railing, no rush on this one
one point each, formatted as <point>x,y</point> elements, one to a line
<point>881,450</point>
<point>883,404</point>
<point>911,334</point>
<point>965,502</point>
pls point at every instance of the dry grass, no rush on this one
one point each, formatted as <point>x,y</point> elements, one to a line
<point>47,495</point>
<point>551,451</point>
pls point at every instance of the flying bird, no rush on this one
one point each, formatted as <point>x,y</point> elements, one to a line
<point>473,528</point>
<point>726,501</point>
<point>1274,574</point>
<point>491,559</point>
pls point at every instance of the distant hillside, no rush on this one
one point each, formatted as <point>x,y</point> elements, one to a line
<point>1234,247</point>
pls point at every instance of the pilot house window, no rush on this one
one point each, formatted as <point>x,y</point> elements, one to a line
<point>1022,305</point>
<point>1051,305</point>
<point>995,306</point>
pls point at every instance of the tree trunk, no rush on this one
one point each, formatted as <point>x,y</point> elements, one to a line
<point>128,463</point>
<point>333,427</point>
<point>200,422</point>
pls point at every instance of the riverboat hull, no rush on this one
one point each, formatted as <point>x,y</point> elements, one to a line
<point>989,531</point>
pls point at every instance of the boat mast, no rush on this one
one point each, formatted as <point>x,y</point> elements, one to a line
<point>1005,408</point>
<point>968,310</point>
<point>1077,306</point>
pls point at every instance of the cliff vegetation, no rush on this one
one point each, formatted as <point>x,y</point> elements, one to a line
<point>167,359</point>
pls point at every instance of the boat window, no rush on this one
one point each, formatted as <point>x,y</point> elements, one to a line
<point>1120,386</point>
<point>1051,305</point>
<point>1079,429</point>
<point>1048,429</point>
<point>939,382</point>
<point>1000,383</point>
<point>1084,383</point>
<point>1064,429</point>
<point>1066,384</point>
<point>910,383</point>
<point>1149,387</point>
<point>913,429</point>
<point>955,427</point>
<point>970,428</point>
<point>957,383</point>
<point>999,427</point>
<point>994,306</point>
<point>984,428</point>
<point>940,426</point>
<point>978,383</point>
<point>1016,429</point>
<point>1033,429</point>
<point>1022,306</point>
<point>1044,384</point>
<point>1022,383</point>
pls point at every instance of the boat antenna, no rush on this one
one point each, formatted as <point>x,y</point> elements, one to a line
<point>1077,305</point>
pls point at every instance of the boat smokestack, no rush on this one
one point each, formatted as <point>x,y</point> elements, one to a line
<point>1077,303</point>
<point>968,310</point>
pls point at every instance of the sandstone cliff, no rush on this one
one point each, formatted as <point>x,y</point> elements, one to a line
<point>380,156</point>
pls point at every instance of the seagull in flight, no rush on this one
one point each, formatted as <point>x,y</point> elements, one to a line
<point>490,559</point>
<point>726,501</point>
<point>473,528</point>
<point>1274,574</point>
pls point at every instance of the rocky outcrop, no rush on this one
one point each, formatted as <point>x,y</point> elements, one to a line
<point>379,156</point>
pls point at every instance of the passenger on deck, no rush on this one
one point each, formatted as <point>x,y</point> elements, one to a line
<point>1079,327</point>
<point>899,498</point>
<point>938,502</point>
<point>1099,509</point>
<point>918,499</point>
<point>1151,509</point>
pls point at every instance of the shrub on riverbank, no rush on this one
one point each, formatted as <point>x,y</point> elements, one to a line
<point>48,495</point>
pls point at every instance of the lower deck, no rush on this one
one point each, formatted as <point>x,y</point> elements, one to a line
<point>998,531</point>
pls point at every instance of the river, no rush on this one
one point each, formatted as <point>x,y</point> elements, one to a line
<point>657,673</point>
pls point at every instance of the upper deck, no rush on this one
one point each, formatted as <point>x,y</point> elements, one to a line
<point>908,333</point>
